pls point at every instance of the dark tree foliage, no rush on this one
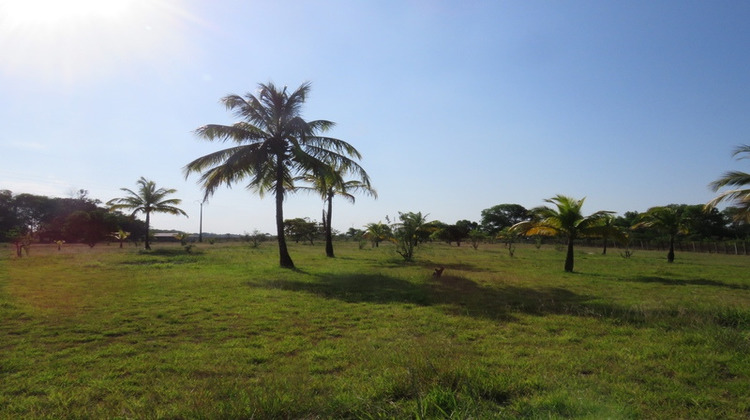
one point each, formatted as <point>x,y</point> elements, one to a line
<point>300,229</point>
<point>73,220</point>
<point>496,218</point>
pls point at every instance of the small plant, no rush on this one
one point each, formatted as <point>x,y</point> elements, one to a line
<point>476,236</point>
<point>59,243</point>
<point>627,253</point>
<point>120,236</point>
<point>409,233</point>
<point>212,241</point>
<point>182,237</point>
<point>538,242</point>
<point>189,248</point>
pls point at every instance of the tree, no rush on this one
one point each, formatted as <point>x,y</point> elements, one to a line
<point>739,196</point>
<point>409,233</point>
<point>607,229</point>
<point>666,219</point>
<point>120,236</point>
<point>148,199</point>
<point>495,218</point>
<point>273,145</point>
<point>377,232</point>
<point>566,219</point>
<point>329,184</point>
<point>301,229</point>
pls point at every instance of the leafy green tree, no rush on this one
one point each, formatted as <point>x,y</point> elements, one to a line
<point>147,199</point>
<point>495,218</point>
<point>409,233</point>
<point>272,145</point>
<point>670,220</point>
<point>565,219</point>
<point>330,184</point>
<point>739,196</point>
<point>301,229</point>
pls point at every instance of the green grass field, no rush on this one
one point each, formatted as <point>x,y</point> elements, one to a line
<point>223,332</point>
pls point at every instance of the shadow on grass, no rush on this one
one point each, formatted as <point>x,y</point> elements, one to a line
<point>458,295</point>
<point>680,282</point>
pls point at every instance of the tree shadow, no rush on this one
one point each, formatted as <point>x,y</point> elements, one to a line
<point>684,282</point>
<point>454,294</point>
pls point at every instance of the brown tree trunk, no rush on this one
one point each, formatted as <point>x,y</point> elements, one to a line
<point>148,223</point>
<point>569,257</point>
<point>329,230</point>
<point>670,254</point>
<point>285,260</point>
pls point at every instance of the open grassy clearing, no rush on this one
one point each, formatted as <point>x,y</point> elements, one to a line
<point>223,332</point>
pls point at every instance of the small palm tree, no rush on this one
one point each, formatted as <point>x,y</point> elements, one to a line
<point>148,199</point>
<point>608,230</point>
<point>409,233</point>
<point>120,235</point>
<point>566,219</point>
<point>667,219</point>
<point>272,146</point>
<point>330,184</point>
<point>377,232</point>
<point>739,196</point>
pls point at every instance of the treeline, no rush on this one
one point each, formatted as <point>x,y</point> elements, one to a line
<point>698,229</point>
<point>79,219</point>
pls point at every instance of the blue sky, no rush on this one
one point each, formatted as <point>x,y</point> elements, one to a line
<point>455,106</point>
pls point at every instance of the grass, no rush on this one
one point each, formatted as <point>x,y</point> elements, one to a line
<point>221,332</point>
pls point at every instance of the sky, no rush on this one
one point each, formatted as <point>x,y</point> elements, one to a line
<point>454,106</point>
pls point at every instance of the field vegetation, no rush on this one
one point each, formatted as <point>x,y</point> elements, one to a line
<point>220,331</point>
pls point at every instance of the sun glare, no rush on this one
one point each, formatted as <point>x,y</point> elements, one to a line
<point>66,41</point>
<point>46,12</point>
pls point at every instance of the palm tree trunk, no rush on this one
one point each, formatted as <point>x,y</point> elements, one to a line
<point>148,224</point>
<point>329,231</point>
<point>285,260</point>
<point>670,254</point>
<point>569,258</point>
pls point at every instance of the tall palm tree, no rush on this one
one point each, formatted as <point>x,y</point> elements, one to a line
<point>147,199</point>
<point>667,219</point>
<point>607,230</point>
<point>330,184</point>
<point>272,145</point>
<point>740,196</point>
<point>566,219</point>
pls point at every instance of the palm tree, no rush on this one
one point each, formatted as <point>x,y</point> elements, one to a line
<point>377,232</point>
<point>148,199</point>
<point>607,230</point>
<point>566,220</point>
<point>740,196</point>
<point>668,219</point>
<point>273,145</point>
<point>330,184</point>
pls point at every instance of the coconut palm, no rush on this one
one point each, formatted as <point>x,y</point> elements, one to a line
<point>566,219</point>
<point>330,184</point>
<point>667,219</point>
<point>606,229</point>
<point>377,232</point>
<point>739,196</point>
<point>272,145</point>
<point>148,199</point>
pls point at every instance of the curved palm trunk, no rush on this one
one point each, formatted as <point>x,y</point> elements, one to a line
<point>670,254</point>
<point>148,229</point>
<point>285,260</point>
<point>329,232</point>
<point>569,258</point>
